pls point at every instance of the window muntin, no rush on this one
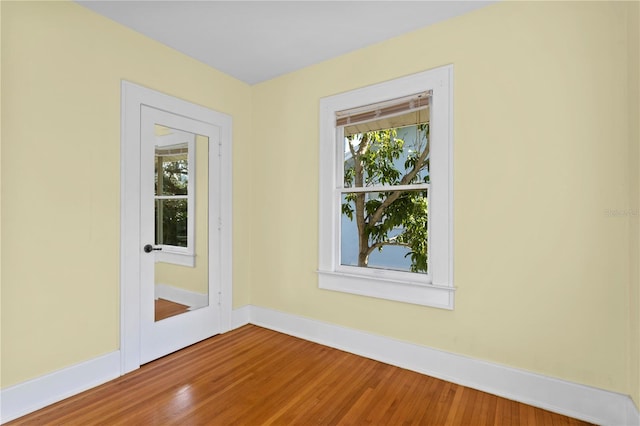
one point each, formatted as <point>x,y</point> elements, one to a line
<point>338,270</point>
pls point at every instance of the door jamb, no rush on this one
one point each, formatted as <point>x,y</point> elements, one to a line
<point>132,97</point>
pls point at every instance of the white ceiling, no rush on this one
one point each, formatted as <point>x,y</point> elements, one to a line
<point>255,41</point>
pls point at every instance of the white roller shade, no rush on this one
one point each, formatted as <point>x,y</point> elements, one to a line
<point>389,114</point>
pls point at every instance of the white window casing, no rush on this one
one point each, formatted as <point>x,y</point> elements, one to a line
<point>436,287</point>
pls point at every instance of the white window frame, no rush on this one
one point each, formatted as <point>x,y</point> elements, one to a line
<point>176,255</point>
<point>435,288</point>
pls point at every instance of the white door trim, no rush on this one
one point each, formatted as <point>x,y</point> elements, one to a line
<point>132,97</point>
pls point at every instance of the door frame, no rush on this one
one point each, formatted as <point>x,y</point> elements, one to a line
<point>132,97</point>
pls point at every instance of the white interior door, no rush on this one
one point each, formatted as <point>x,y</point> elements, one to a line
<point>180,188</point>
<point>161,131</point>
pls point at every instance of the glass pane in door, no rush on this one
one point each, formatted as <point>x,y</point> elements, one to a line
<point>181,222</point>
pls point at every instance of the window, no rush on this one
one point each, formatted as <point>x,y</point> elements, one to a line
<point>386,199</point>
<point>174,195</point>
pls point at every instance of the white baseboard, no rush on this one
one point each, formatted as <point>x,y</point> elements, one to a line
<point>560,396</point>
<point>179,295</point>
<point>240,317</point>
<point>29,396</point>
<point>633,414</point>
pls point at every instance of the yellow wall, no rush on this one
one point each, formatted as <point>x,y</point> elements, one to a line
<point>195,278</point>
<point>634,218</point>
<point>541,155</point>
<point>61,70</point>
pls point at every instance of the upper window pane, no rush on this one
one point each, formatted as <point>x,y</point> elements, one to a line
<point>172,170</point>
<point>387,156</point>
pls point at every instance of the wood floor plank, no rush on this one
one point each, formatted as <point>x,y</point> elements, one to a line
<point>166,308</point>
<point>255,376</point>
<point>427,402</point>
<point>471,401</point>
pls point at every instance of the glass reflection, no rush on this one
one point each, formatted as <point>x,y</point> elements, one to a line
<point>181,222</point>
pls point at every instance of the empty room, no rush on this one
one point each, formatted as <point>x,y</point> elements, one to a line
<point>309,212</point>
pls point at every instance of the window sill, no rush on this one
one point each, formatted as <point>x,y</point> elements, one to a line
<point>400,291</point>
<point>175,258</point>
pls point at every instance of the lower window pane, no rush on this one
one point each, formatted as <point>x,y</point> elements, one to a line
<point>385,230</point>
<point>171,222</point>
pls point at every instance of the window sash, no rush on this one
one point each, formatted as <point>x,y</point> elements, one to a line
<point>340,136</point>
<point>420,278</point>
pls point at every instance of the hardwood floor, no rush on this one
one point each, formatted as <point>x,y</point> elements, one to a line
<point>166,308</point>
<point>254,376</point>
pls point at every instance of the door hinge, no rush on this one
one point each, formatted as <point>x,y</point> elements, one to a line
<point>219,223</point>
<point>219,298</point>
<point>220,149</point>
